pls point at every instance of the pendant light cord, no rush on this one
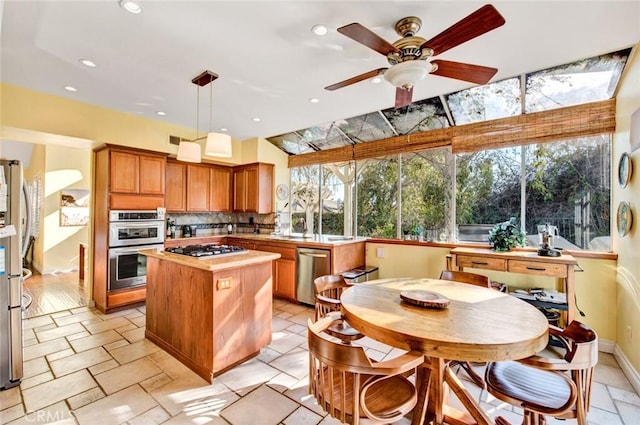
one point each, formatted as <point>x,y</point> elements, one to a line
<point>210,108</point>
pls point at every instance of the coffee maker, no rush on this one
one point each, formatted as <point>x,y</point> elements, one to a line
<point>547,234</point>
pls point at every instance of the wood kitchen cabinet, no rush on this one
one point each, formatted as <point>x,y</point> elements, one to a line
<point>198,188</point>
<point>175,198</point>
<point>221,181</point>
<point>135,179</point>
<point>136,173</point>
<point>125,179</point>
<point>284,269</point>
<point>253,188</point>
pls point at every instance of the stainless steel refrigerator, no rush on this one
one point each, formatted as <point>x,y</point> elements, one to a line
<point>12,227</point>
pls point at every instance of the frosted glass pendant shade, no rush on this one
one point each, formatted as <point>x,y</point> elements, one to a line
<point>218,145</point>
<point>406,74</point>
<point>189,152</point>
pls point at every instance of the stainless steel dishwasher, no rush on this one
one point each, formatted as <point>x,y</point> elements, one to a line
<point>312,262</point>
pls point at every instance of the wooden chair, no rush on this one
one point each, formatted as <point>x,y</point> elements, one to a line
<point>327,290</point>
<point>472,279</point>
<point>350,386</point>
<point>466,277</point>
<point>558,386</point>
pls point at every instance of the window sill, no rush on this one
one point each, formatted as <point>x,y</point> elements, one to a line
<point>450,245</point>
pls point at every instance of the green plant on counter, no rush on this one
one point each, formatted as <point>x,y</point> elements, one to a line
<point>507,235</point>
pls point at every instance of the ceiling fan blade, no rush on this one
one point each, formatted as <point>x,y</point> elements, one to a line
<point>365,36</point>
<point>403,97</point>
<point>356,79</point>
<point>464,71</point>
<point>479,22</point>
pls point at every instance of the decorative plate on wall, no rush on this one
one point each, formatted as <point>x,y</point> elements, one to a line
<point>625,218</point>
<point>625,169</point>
<point>282,191</point>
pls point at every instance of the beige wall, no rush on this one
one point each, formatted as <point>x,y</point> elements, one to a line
<point>628,276</point>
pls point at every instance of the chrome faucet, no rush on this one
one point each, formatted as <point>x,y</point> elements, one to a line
<point>304,226</point>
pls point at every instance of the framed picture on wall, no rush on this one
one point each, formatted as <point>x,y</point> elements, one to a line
<point>74,207</point>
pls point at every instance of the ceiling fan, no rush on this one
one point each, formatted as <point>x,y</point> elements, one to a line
<point>409,55</point>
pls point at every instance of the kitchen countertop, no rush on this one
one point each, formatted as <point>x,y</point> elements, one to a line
<point>214,262</point>
<point>295,238</point>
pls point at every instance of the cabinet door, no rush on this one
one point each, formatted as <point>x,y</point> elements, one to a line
<point>220,189</point>
<point>124,172</point>
<point>152,176</point>
<point>176,183</point>
<point>198,188</point>
<point>284,278</point>
<point>252,189</point>
<point>239,190</point>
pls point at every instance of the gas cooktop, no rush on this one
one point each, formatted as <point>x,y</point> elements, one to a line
<point>205,250</point>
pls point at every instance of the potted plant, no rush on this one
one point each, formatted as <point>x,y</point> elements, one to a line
<point>507,235</point>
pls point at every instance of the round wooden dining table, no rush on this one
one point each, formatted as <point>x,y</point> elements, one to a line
<point>478,325</point>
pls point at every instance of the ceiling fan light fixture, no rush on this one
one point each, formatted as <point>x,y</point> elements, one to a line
<point>189,152</point>
<point>218,145</point>
<point>407,74</point>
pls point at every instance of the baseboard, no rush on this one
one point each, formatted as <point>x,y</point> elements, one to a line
<point>629,371</point>
<point>91,304</point>
<point>606,346</point>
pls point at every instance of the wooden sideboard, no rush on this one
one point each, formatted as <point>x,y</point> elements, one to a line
<point>521,261</point>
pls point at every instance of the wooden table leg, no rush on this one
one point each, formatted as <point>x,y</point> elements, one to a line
<point>437,391</point>
<point>423,383</point>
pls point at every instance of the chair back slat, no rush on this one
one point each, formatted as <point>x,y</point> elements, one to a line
<point>466,277</point>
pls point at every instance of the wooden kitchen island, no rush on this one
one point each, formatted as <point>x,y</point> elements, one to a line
<point>213,313</point>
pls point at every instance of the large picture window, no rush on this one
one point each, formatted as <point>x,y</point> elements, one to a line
<point>565,184</point>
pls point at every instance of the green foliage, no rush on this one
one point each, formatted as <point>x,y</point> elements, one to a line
<point>507,235</point>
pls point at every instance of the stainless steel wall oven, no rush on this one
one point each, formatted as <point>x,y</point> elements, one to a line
<point>129,233</point>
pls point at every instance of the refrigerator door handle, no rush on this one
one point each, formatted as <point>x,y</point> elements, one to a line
<point>15,356</point>
<point>27,219</point>
<point>15,291</point>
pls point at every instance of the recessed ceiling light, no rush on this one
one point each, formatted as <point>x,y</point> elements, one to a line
<point>319,29</point>
<point>256,119</point>
<point>314,100</point>
<point>69,88</point>
<point>161,113</point>
<point>130,6</point>
<point>376,80</point>
<point>87,62</point>
<point>224,129</point>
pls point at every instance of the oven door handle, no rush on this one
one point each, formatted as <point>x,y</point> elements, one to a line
<point>133,250</point>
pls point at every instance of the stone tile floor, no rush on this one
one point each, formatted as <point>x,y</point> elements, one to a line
<point>83,367</point>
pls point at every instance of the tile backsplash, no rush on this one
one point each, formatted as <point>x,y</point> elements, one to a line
<point>216,223</point>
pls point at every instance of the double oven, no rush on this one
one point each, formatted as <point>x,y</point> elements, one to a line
<point>129,233</point>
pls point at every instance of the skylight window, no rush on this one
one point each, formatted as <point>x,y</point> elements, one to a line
<point>584,81</point>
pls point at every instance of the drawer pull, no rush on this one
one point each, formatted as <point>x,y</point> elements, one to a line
<point>540,269</point>
<point>478,263</point>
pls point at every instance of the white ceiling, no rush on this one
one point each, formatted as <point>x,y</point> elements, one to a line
<point>268,60</point>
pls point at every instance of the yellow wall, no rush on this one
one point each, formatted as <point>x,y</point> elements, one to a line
<point>595,287</point>
<point>22,109</point>
<point>65,168</point>
<point>628,276</point>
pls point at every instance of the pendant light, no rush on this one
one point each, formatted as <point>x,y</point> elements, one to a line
<point>189,150</point>
<point>218,144</point>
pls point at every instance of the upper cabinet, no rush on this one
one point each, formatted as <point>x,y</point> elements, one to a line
<point>137,173</point>
<point>135,179</point>
<point>175,199</point>
<point>253,188</point>
<point>198,187</point>
<point>220,199</point>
